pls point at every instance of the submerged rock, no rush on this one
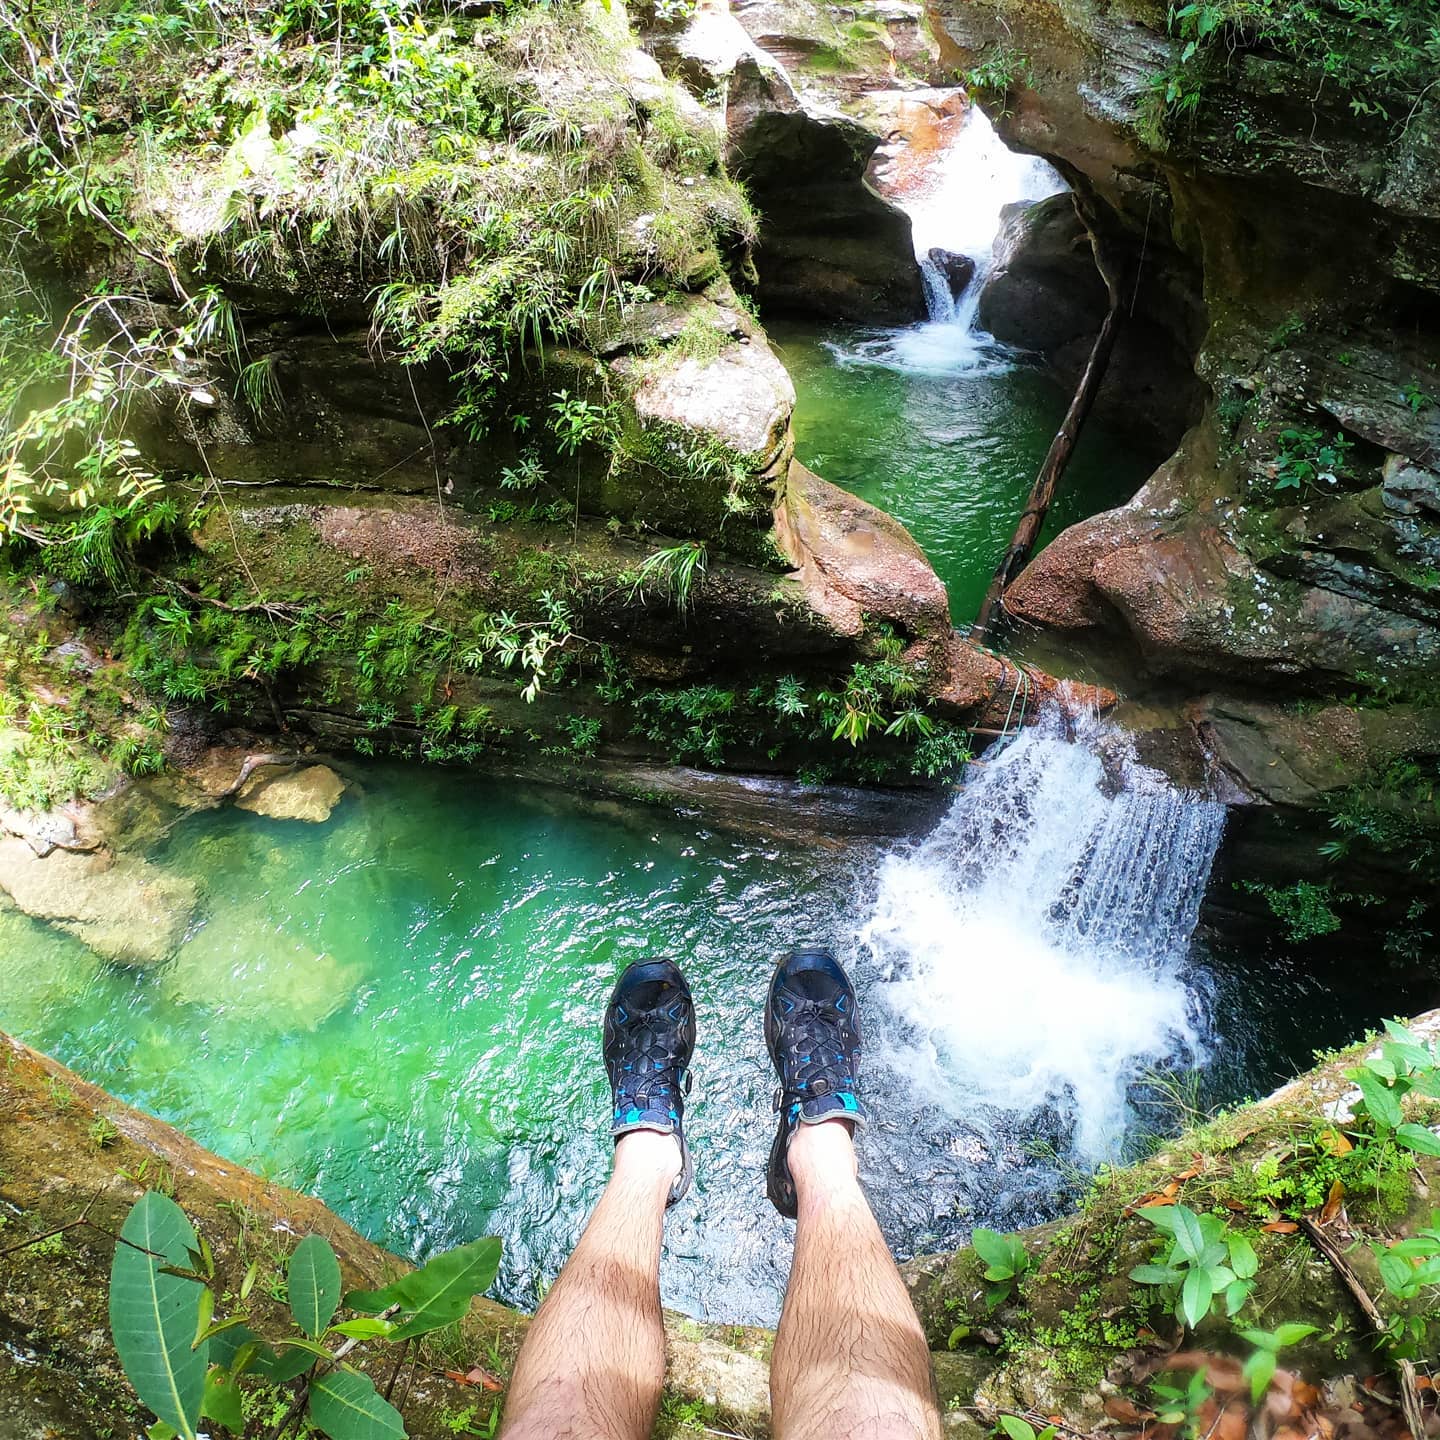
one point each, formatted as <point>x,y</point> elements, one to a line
<point>310,794</point>
<point>242,966</point>
<point>123,907</point>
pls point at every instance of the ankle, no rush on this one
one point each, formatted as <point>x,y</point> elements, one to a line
<point>822,1158</point>
<point>647,1157</point>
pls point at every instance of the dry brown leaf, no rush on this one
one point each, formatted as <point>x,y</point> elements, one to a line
<point>1335,1142</point>
<point>1288,1432</point>
<point>1120,1407</point>
<point>1280,1227</point>
<point>1238,1206</point>
<point>1234,1422</point>
<point>475,1375</point>
<point>1333,1201</point>
<point>1189,1174</point>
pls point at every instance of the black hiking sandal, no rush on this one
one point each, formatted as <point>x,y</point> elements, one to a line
<point>649,1038</point>
<point>812,1031</point>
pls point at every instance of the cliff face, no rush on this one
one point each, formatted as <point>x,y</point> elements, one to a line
<point>1273,170</point>
<point>392,385</point>
<point>1293,538</point>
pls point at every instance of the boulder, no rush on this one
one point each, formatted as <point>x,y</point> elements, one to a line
<point>308,794</point>
<point>1043,293</point>
<point>742,399</point>
<point>829,245</point>
<point>123,907</point>
<point>1183,571</point>
<point>958,270</point>
<point>856,561</point>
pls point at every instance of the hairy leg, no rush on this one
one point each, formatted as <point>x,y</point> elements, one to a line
<point>850,1361</point>
<point>592,1366</point>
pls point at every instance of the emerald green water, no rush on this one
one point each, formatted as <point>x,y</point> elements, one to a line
<point>398,1011</point>
<point>946,434</point>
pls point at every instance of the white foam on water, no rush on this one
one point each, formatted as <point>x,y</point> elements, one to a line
<point>957,208</point>
<point>1032,948</point>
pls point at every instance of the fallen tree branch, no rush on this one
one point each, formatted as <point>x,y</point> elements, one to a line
<point>1409,1390</point>
<point>1032,518</point>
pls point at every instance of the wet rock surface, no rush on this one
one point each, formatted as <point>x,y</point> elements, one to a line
<point>308,794</point>
<point>829,245</point>
<point>1250,551</point>
<point>1045,294</point>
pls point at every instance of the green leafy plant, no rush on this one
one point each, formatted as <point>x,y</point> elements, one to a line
<point>1017,1427</point>
<point>188,1366</point>
<point>1181,1405</point>
<point>674,571</point>
<point>1307,457</point>
<point>1201,1261</point>
<point>1405,1066</point>
<point>1259,1369</point>
<point>1416,396</point>
<point>1006,1262</point>
<point>1410,1270</point>
<point>997,74</point>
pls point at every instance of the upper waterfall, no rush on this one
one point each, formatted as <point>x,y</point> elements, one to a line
<point>955,206</point>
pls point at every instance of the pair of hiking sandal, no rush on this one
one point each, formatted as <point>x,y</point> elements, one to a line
<point>811,1030</point>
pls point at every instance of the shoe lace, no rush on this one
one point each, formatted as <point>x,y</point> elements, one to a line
<point>814,1049</point>
<point>651,1074</point>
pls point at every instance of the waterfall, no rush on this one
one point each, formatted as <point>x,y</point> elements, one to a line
<point>956,208</point>
<point>1032,950</point>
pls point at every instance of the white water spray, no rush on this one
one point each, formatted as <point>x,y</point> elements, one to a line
<point>957,207</point>
<point>1032,948</point>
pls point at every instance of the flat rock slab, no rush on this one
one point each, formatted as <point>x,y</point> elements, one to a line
<point>309,794</point>
<point>743,398</point>
<point>124,908</point>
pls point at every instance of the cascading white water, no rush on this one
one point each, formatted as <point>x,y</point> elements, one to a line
<point>1032,949</point>
<point>956,207</point>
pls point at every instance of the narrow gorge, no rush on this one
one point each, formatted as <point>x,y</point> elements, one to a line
<point>495,490</point>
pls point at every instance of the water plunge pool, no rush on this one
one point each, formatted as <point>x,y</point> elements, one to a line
<point>398,1011</point>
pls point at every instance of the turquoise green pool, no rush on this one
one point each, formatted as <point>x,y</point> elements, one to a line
<point>399,1010</point>
<point>946,436</point>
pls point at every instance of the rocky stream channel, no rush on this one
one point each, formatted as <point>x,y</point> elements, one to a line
<point>443,591</point>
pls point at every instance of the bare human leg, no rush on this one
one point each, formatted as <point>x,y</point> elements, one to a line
<point>851,1361</point>
<point>593,1364</point>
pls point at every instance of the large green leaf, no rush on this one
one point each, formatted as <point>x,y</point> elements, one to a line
<point>154,1316</point>
<point>1190,1235</point>
<point>346,1406</point>
<point>1243,1259</point>
<point>994,1249</point>
<point>1195,1296</point>
<point>313,1282</point>
<point>222,1400</point>
<point>1380,1100</point>
<point>437,1293</point>
<point>1418,1138</point>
